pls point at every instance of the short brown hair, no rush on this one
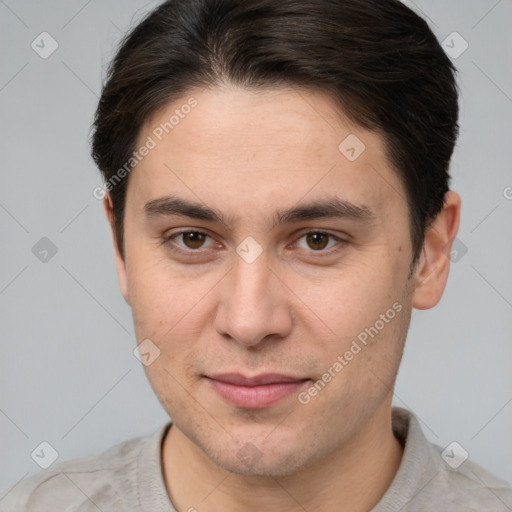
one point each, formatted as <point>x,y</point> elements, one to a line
<point>378,59</point>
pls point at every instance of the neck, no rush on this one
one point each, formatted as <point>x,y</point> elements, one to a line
<point>353,478</point>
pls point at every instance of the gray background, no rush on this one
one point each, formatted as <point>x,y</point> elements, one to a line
<point>68,375</point>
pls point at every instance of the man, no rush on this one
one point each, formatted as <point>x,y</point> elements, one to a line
<point>276,181</point>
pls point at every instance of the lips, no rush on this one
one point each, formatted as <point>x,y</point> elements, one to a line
<point>255,392</point>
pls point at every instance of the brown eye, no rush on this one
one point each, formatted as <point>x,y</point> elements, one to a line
<point>188,241</point>
<point>317,241</point>
<point>193,239</point>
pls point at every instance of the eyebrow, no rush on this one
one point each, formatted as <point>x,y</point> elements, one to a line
<point>333,207</point>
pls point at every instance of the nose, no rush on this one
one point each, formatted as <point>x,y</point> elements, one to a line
<point>254,304</point>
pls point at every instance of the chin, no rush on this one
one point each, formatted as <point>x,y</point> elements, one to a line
<point>266,456</point>
<point>270,465</point>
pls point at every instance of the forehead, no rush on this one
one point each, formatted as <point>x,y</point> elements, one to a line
<point>240,150</point>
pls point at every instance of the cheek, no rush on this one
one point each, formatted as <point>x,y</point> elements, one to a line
<point>358,371</point>
<point>364,313</point>
<point>173,311</point>
<point>162,299</point>
<point>347,302</point>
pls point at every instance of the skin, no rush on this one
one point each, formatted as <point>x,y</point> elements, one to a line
<point>293,310</point>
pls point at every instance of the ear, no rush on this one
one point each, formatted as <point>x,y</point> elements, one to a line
<point>432,269</point>
<point>120,263</point>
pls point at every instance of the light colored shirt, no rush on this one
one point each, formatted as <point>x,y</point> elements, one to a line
<point>128,478</point>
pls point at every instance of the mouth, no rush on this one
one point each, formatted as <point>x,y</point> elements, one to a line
<point>255,392</point>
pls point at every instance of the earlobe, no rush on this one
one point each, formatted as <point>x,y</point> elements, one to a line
<point>433,267</point>
<point>119,261</point>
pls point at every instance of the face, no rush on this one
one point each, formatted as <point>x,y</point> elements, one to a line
<point>269,267</point>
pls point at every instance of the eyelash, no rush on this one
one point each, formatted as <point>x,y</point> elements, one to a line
<point>168,242</point>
